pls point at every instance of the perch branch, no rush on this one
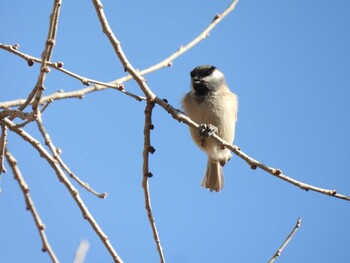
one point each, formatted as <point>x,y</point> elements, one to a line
<point>63,179</point>
<point>249,160</point>
<point>30,205</point>
<point>147,149</point>
<point>285,243</point>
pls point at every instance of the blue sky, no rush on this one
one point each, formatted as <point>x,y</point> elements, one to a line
<point>289,64</point>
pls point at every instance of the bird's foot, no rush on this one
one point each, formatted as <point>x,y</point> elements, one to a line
<point>207,130</point>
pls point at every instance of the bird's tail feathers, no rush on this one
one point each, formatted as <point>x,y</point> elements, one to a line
<point>214,177</point>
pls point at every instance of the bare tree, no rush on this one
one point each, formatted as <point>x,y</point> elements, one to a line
<point>31,110</point>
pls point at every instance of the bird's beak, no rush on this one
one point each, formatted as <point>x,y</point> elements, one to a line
<point>196,80</point>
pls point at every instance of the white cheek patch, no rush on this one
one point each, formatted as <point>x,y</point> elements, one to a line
<point>216,74</point>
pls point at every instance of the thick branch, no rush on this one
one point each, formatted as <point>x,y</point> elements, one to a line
<point>30,205</point>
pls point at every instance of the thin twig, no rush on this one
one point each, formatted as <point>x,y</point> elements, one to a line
<point>46,55</point>
<point>141,81</point>
<point>79,181</point>
<point>81,252</point>
<point>21,125</point>
<point>203,35</point>
<point>176,114</point>
<point>115,83</point>
<point>285,243</point>
<point>147,149</point>
<point>30,205</point>
<point>148,113</point>
<point>63,179</point>
<point>99,85</point>
<point>56,155</point>
<point>3,136</point>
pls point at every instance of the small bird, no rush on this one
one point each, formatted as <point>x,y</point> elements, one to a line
<point>211,104</point>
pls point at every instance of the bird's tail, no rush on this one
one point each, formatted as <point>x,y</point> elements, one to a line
<point>214,177</point>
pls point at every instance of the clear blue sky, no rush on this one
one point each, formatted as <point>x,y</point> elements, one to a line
<point>288,62</point>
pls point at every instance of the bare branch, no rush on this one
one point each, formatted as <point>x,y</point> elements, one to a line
<point>16,113</point>
<point>176,114</point>
<point>99,85</point>
<point>141,81</point>
<point>115,83</point>
<point>63,179</point>
<point>46,55</point>
<point>30,205</point>
<point>203,35</point>
<point>56,155</point>
<point>81,252</point>
<point>147,149</point>
<point>78,180</point>
<point>285,243</point>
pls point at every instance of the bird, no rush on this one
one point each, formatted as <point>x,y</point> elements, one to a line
<point>211,104</point>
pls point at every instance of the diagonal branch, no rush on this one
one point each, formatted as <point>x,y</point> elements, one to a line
<point>101,85</point>
<point>30,205</point>
<point>285,243</point>
<point>56,155</point>
<point>81,252</point>
<point>176,114</point>
<point>141,81</point>
<point>63,179</point>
